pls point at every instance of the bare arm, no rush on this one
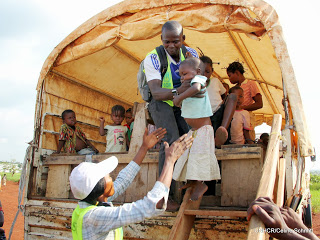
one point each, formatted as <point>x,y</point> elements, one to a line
<point>159,93</point>
<point>60,145</point>
<point>247,136</point>
<point>256,105</point>
<point>191,91</point>
<point>101,129</point>
<point>172,154</point>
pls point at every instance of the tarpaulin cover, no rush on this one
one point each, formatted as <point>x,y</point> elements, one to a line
<point>95,67</point>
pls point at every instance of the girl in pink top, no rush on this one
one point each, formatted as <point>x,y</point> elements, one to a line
<point>252,98</point>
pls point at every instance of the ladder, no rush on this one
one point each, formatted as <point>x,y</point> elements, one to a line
<point>188,212</point>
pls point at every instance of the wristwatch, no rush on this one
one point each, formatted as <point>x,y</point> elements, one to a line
<point>174,92</point>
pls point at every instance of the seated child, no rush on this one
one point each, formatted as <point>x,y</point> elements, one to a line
<point>223,106</point>
<point>198,163</point>
<point>72,139</point>
<point>116,134</point>
<point>240,124</point>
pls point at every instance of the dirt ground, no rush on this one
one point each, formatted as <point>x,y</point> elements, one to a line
<point>9,200</point>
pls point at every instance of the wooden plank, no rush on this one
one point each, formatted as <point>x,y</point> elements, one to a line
<point>140,124</point>
<point>151,157</point>
<point>239,153</point>
<point>236,174</point>
<point>58,185</point>
<point>281,182</point>
<point>268,176</point>
<point>138,188</point>
<point>158,228</point>
<point>216,213</point>
<point>69,203</point>
<point>61,211</point>
<point>239,146</point>
<point>289,164</point>
<point>153,173</point>
<point>209,201</point>
<point>52,221</point>
<point>45,234</point>
<point>184,223</point>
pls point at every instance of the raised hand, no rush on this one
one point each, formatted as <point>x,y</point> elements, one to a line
<point>149,140</point>
<point>178,147</point>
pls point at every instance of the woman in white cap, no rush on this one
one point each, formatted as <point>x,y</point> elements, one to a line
<point>95,217</point>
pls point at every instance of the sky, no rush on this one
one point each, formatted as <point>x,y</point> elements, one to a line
<point>30,29</point>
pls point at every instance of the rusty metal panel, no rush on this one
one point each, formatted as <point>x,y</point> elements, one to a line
<point>40,233</point>
<point>45,219</point>
<point>204,228</point>
<point>52,220</point>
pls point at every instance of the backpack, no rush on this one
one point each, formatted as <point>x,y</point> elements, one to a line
<point>141,76</point>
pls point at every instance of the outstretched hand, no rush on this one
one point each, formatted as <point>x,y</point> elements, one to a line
<point>269,213</point>
<point>178,147</point>
<point>149,140</point>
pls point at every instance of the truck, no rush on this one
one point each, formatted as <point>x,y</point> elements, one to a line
<point>95,68</point>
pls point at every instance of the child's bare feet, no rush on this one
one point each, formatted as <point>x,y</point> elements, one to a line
<point>198,190</point>
<point>172,206</point>
<point>187,185</point>
<point>221,136</point>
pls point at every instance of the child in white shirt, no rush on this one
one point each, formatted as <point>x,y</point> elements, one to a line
<point>116,134</point>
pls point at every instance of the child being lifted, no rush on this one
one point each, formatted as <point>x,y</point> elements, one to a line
<point>198,163</point>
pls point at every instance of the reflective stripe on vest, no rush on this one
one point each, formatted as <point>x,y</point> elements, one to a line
<point>167,79</point>
<point>76,224</point>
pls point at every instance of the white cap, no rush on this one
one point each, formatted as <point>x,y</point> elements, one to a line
<point>86,175</point>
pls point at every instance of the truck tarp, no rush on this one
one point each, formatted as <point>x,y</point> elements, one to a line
<point>95,66</point>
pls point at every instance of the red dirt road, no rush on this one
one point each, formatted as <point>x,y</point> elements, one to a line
<point>9,200</point>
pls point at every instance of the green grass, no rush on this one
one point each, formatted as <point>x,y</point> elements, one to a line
<point>315,193</point>
<point>14,178</point>
<point>315,201</point>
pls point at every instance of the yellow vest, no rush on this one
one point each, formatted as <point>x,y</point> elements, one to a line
<point>76,224</point>
<point>167,78</point>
